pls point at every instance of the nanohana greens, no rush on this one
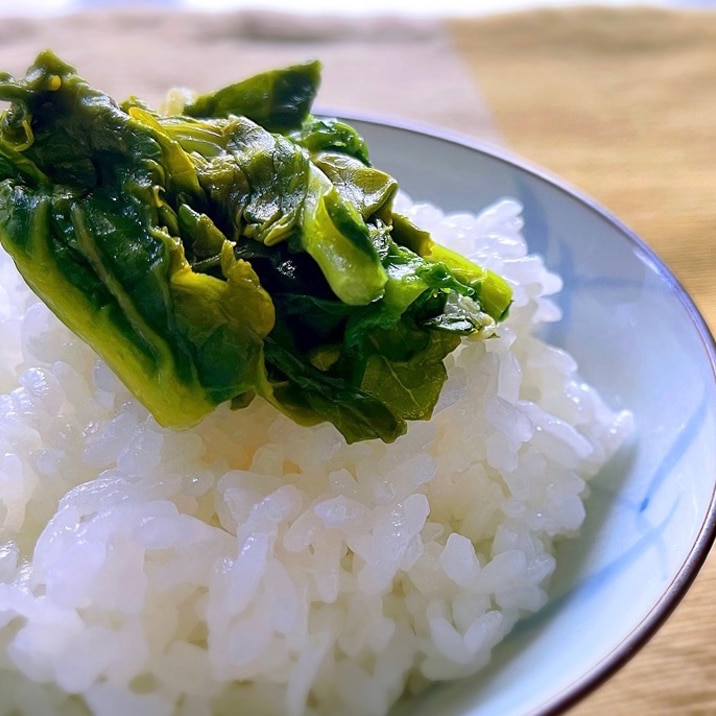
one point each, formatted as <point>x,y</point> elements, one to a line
<point>233,245</point>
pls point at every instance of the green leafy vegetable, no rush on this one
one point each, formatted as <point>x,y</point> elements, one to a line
<point>233,247</point>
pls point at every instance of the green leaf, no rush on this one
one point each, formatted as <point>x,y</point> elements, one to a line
<point>368,189</point>
<point>279,100</point>
<point>413,382</point>
<point>327,134</point>
<point>309,396</point>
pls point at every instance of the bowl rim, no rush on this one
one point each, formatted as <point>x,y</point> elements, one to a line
<point>695,558</point>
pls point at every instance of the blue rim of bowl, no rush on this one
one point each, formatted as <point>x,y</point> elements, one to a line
<point>698,553</point>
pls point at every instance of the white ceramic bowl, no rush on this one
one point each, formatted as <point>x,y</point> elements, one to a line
<point>639,339</point>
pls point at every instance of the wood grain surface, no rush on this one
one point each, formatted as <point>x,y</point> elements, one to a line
<point>622,104</point>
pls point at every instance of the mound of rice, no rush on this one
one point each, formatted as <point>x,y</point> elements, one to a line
<point>252,566</point>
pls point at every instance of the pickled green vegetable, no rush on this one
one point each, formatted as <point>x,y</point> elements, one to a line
<point>239,246</point>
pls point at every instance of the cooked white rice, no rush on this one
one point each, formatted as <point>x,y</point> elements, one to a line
<point>252,566</point>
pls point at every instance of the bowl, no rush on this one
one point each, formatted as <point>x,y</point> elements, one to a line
<point>650,515</point>
<point>640,340</point>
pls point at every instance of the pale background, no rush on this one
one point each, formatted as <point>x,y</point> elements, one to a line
<point>357,7</point>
